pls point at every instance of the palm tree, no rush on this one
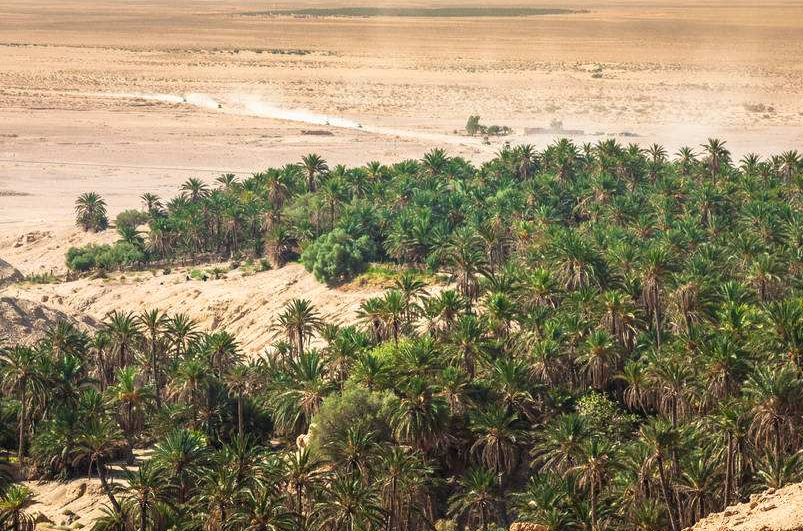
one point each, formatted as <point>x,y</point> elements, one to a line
<point>774,473</point>
<point>717,155</point>
<point>96,444</point>
<point>354,453</point>
<point>153,324</point>
<point>298,321</point>
<point>419,417</point>
<point>180,331</point>
<point>435,161</point>
<point>477,498</point>
<point>686,159</point>
<point>264,513</point>
<point>620,318</point>
<point>315,167</point>
<point>597,460</point>
<point>467,263</point>
<point>297,392</point>
<point>12,508</point>
<point>131,399</point>
<point>190,384</point>
<point>152,204</point>
<point>656,265</point>
<point>19,376</point>
<point>790,164</point>
<point>180,454</point>
<point>303,472</point>
<point>123,332</point>
<point>392,312</point>
<point>467,342</point>
<point>195,189</point>
<point>239,379</point>
<point>147,489</point>
<point>403,474</point>
<point>699,481</point>
<point>218,495</point>
<point>350,504</point>
<point>560,445</point>
<point>662,439</point>
<point>221,350</point>
<point>598,358</point>
<point>498,437</point>
<point>775,394</point>
<point>90,212</point>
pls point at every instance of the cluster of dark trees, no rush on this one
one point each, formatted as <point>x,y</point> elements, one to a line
<point>620,348</point>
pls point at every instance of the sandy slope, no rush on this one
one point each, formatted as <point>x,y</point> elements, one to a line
<point>245,305</point>
<point>780,510</point>
<point>66,504</point>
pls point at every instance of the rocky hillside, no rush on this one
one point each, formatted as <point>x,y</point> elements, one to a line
<point>773,510</point>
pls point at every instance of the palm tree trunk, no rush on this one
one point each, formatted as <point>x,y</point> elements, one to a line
<point>665,493</point>
<point>593,505</point>
<point>106,487</point>
<point>22,420</point>
<point>776,428</point>
<point>728,471</point>
<point>143,514</point>
<point>240,421</point>
<point>130,434</point>
<point>299,503</point>
<point>155,376</point>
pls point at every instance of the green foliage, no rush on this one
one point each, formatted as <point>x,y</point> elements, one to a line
<point>474,128</point>
<point>84,258</point>
<point>620,347</point>
<point>387,274</point>
<point>104,257</point>
<point>131,219</point>
<point>355,407</point>
<point>90,212</point>
<point>473,125</point>
<point>337,255</point>
<point>604,416</point>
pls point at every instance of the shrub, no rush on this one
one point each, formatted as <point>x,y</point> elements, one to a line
<point>604,416</point>
<point>473,125</point>
<point>337,255</point>
<point>84,258</point>
<point>131,218</point>
<point>355,407</point>
<point>106,257</point>
<point>118,255</point>
<point>41,278</point>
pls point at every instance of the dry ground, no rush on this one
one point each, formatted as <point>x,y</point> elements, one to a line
<point>672,71</point>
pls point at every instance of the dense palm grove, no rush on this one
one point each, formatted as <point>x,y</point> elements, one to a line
<point>619,347</point>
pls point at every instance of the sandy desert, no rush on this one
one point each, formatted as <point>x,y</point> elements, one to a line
<point>127,97</point>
